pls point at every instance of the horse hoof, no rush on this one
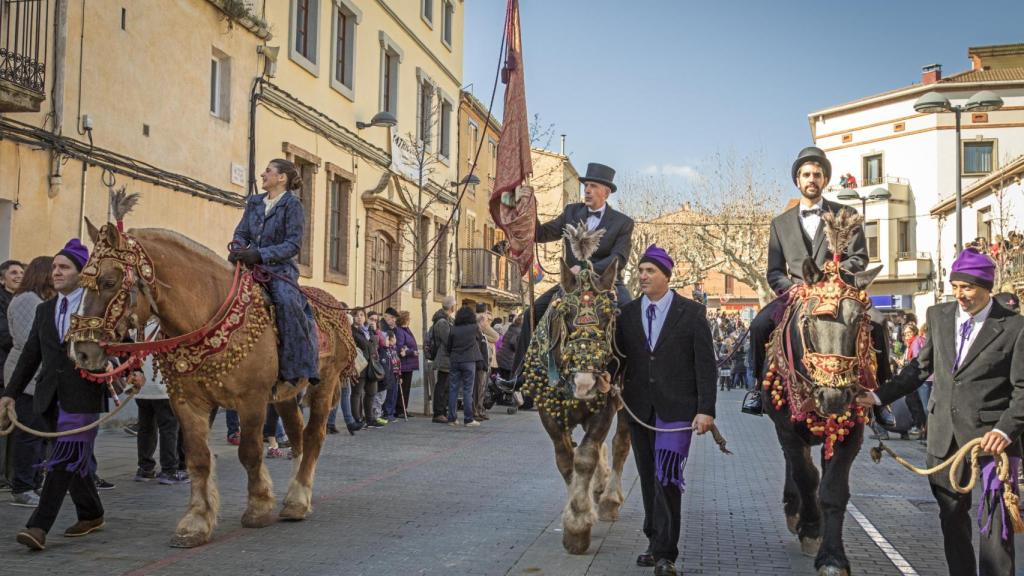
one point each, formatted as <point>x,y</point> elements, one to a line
<point>833,571</point>
<point>809,546</point>
<point>293,513</point>
<point>792,522</point>
<point>608,510</point>
<point>576,543</point>
<point>187,540</point>
<point>257,521</point>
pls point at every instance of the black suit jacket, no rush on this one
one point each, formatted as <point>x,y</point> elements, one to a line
<point>59,378</point>
<point>614,246</point>
<point>787,249</point>
<point>985,392</point>
<point>677,379</point>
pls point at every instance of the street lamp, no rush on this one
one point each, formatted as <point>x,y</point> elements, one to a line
<point>876,194</point>
<point>379,119</point>
<point>470,179</point>
<point>936,103</point>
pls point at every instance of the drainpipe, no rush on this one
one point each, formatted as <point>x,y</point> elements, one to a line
<point>60,43</point>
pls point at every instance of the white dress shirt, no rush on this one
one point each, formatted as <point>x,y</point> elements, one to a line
<point>978,319</point>
<point>811,221</point>
<point>271,202</point>
<point>63,321</point>
<point>594,220</point>
<point>660,313</point>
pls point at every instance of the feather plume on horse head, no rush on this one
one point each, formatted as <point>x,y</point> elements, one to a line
<point>839,229</point>
<point>121,203</point>
<point>582,242</point>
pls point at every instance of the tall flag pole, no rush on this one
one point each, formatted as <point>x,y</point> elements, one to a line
<point>512,203</point>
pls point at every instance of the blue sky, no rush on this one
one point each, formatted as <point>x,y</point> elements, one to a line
<point>658,85</point>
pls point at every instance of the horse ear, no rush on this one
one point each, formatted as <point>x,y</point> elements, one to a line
<point>111,235</point>
<point>812,274</point>
<point>607,280</point>
<point>94,233</point>
<point>864,279</point>
<point>566,277</point>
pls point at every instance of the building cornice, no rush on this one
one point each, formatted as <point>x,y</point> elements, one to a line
<point>1013,171</point>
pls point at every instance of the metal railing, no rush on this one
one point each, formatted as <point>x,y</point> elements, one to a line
<point>913,255</point>
<point>484,269</point>
<point>23,36</point>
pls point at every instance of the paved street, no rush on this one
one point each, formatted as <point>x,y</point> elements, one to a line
<point>422,498</point>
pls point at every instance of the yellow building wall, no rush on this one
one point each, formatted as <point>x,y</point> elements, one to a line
<point>556,184</point>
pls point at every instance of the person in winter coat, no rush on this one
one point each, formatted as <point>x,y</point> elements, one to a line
<point>409,353</point>
<point>464,351</point>
<point>441,326</point>
<point>507,353</point>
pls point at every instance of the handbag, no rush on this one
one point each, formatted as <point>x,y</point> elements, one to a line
<point>376,370</point>
<point>360,361</point>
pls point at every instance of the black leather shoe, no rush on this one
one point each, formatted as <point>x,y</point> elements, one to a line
<point>665,568</point>
<point>646,559</point>
<point>884,417</point>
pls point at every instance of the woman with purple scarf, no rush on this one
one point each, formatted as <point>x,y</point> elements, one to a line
<point>668,360</point>
<point>65,401</point>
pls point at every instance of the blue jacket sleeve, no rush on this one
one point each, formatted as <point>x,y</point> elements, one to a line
<point>289,248</point>
<point>242,233</point>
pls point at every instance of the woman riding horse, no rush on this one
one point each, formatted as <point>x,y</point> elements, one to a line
<point>270,234</point>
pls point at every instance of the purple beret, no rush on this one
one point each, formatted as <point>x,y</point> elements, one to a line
<point>975,268</point>
<point>659,258</point>
<point>76,252</point>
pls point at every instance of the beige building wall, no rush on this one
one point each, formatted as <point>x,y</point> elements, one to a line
<point>556,183</point>
<point>146,89</point>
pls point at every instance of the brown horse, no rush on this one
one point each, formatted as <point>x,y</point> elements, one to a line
<point>153,272</point>
<point>566,371</point>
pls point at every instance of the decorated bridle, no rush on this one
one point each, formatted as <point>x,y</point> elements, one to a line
<point>825,299</point>
<point>587,348</point>
<point>137,274</point>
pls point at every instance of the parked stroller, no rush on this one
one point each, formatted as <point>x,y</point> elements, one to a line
<point>505,393</point>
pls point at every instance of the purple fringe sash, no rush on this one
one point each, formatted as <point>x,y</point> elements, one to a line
<point>671,449</point>
<point>992,499</point>
<point>73,453</point>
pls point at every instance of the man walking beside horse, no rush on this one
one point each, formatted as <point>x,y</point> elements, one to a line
<point>668,360</point>
<point>976,352</point>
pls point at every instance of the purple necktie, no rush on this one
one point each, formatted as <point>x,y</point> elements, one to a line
<point>651,311</point>
<point>965,334</point>
<point>60,320</point>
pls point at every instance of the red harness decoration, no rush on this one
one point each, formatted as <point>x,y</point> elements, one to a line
<point>786,385</point>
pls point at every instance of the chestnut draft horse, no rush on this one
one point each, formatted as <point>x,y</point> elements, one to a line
<point>219,348</point>
<point>566,372</point>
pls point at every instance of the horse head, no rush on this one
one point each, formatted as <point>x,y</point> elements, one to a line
<point>584,327</point>
<point>834,332</point>
<point>117,280</point>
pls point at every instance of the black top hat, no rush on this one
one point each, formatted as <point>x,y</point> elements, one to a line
<point>812,154</point>
<point>601,174</point>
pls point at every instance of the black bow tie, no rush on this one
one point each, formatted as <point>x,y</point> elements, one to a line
<point>810,212</point>
<point>597,214</point>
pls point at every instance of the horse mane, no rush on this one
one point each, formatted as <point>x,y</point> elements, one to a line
<point>582,242</point>
<point>180,241</point>
<point>840,228</point>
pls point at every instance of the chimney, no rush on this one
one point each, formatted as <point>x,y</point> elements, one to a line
<point>562,149</point>
<point>931,73</point>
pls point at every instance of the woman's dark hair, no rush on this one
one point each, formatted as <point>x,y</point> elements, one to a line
<point>465,315</point>
<point>403,317</point>
<point>287,167</point>
<point>37,278</point>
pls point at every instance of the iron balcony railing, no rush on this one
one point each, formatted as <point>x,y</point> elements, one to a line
<point>484,269</point>
<point>23,36</point>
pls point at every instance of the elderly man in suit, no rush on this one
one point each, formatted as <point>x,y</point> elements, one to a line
<point>596,214</point>
<point>975,350</point>
<point>796,235</point>
<point>668,361</point>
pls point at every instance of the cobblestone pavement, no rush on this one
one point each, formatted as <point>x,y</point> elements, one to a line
<point>423,498</point>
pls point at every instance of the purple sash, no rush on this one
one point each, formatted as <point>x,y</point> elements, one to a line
<point>992,499</point>
<point>73,453</point>
<point>671,449</point>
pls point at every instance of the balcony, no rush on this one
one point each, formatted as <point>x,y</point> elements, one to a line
<point>23,42</point>
<point>913,265</point>
<point>486,271</point>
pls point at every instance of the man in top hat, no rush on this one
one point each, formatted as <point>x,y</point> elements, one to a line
<point>796,235</point>
<point>975,350</point>
<point>668,361</point>
<point>596,214</point>
<point>66,401</point>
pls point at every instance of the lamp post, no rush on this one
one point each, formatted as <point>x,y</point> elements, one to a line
<point>876,194</point>
<point>936,103</point>
<point>379,119</point>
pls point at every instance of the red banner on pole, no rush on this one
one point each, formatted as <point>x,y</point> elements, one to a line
<point>512,204</point>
